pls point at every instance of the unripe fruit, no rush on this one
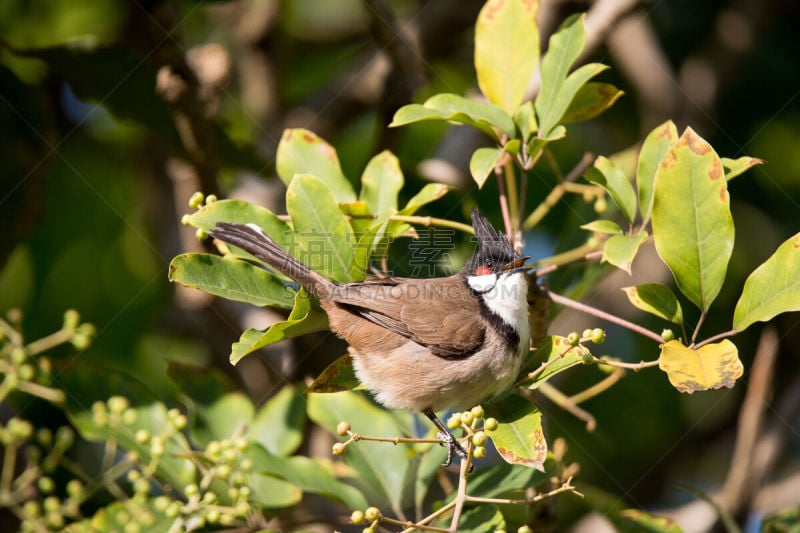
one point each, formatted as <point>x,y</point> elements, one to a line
<point>342,428</point>
<point>587,334</point>
<point>477,411</point>
<point>667,335</point>
<point>372,514</point>
<point>490,424</point>
<point>573,339</point>
<point>467,418</point>
<point>196,200</point>
<point>72,319</point>
<point>201,234</point>
<point>479,438</point>
<point>338,448</point>
<point>454,421</point>
<point>480,451</point>
<point>598,336</point>
<point>357,517</point>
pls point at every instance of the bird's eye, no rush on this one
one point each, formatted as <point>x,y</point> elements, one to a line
<point>490,264</point>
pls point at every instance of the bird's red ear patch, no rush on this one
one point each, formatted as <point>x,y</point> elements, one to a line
<point>483,270</point>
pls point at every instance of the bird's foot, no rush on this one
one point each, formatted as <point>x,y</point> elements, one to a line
<point>452,447</point>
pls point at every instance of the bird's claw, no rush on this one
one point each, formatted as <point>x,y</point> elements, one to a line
<point>452,447</point>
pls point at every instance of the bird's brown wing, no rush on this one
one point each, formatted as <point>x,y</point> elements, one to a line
<point>420,310</point>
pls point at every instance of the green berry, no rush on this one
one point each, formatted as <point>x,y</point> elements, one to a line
<point>191,490</point>
<point>196,200</point>
<point>210,199</point>
<point>74,488</point>
<point>46,485</point>
<point>480,451</point>
<point>185,220</point>
<point>201,234</point>
<point>223,471</point>
<point>477,411</point>
<point>600,205</point>
<point>142,436</point>
<point>490,424</point>
<point>342,428</point>
<point>357,517</point>
<point>523,529</point>
<point>598,336</point>
<point>467,418</point>
<point>372,514</point>
<point>157,446</point>
<point>72,319</point>
<point>587,334</point>
<point>26,372</point>
<point>667,335</point>
<point>142,486</point>
<point>18,355</point>
<point>454,421</point>
<point>479,438</point>
<point>573,339</point>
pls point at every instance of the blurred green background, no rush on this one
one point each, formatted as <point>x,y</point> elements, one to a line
<point>112,113</point>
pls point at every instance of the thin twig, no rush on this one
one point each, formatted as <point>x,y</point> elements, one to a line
<point>566,403</point>
<point>461,494</point>
<point>715,338</point>
<point>599,387</point>
<point>563,300</point>
<point>558,191</point>
<point>566,487</point>
<point>503,199</point>
<point>629,366</point>
<point>392,440</point>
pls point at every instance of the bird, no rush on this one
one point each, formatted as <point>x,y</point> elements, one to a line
<point>422,344</point>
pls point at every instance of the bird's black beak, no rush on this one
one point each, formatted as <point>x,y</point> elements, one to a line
<point>516,265</point>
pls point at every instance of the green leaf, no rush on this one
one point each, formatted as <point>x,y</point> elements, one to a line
<point>302,320</point>
<point>590,101</point>
<point>525,119</point>
<point>273,493</point>
<point>230,278</point>
<point>480,519</point>
<point>429,193</point>
<point>310,475</point>
<point>559,89</point>
<point>657,300</point>
<point>603,226</point>
<point>621,250</point>
<point>734,167</point>
<point>454,108</point>
<point>241,212</point>
<point>536,143</point>
<point>709,367</point>
<point>692,223</point>
<point>772,288</point>
<point>383,467</point>
<point>655,146</point>
<point>337,377</point>
<point>610,177</point>
<point>214,421</point>
<point>554,356</point>
<point>381,183</point>
<point>482,163</point>
<point>519,438</point>
<point>504,480</point>
<point>278,426</point>
<point>300,151</point>
<point>506,50</point>
<point>323,235</point>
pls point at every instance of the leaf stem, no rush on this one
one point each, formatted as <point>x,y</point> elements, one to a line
<point>567,302</point>
<point>585,252</point>
<point>698,326</point>
<point>51,341</point>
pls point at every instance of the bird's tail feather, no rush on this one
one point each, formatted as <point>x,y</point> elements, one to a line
<point>254,241</point>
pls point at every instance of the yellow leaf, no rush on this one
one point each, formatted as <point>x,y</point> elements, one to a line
<point>709,367</point>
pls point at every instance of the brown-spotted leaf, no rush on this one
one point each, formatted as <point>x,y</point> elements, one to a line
<point>519,437</point>
<point>709,367</point>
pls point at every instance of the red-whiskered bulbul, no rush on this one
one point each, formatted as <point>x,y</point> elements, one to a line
<point>422,344</point>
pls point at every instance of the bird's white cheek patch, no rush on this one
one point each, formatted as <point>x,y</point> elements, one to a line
<point>482,283</point>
